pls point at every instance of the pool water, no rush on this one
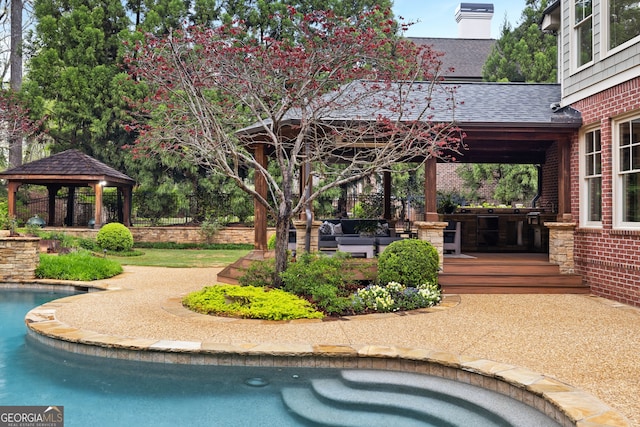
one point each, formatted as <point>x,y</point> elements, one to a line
<point>109,392</point>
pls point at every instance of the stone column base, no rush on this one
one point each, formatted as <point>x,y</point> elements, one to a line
<point>561,243</point>
<point>301,232</point>
<point>433,232</point>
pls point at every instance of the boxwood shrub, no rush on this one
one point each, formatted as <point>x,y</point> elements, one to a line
<point>411,262</point>
<point>115,237</point>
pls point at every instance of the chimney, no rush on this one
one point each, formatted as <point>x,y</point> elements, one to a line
<point>474,20</point>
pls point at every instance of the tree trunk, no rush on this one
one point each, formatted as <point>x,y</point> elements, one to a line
<point>282,240</point>
<point>15,61</point>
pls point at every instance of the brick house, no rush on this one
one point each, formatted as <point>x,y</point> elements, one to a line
<point>599,72</point>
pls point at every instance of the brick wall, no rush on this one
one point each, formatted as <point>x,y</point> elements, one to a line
<point>607,258</point>
<point>549,191</point>
<point>448,180</point>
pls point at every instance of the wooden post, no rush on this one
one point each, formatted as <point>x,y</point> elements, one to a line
<point>126,205</point>
<point>260,212</point>
<point>52,191</point>
<point>68,220</point>
<point>12,189</point>
<point>430,189</point>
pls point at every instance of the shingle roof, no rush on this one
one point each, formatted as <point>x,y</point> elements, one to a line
<point>69,164</point>
<point>514,104</point>
<point>465,56</point>
<point>490,104</point>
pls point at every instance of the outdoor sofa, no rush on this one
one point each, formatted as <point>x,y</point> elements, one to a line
<point>360,237</point>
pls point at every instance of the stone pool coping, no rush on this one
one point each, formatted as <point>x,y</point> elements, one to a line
<point>560,401</point>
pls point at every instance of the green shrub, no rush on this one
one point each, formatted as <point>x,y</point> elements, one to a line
<point>88,244</point>
<point>76,266</point>
<point>115,237</point>
<point>271,243</point>
<point>5,224</point>
<point>209,228</point>
<point>411,262</point>
<point>259,273</point>
<point>321,279</point>
<point>250,302</point>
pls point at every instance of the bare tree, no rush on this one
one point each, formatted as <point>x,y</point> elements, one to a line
<point>15,60</point>
<point>339,92</point>
<point>12,27</point>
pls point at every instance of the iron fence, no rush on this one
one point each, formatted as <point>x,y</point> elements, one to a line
<point>177,209</point>
<point>160,211</point>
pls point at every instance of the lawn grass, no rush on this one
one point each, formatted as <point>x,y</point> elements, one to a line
<point>182,257</point>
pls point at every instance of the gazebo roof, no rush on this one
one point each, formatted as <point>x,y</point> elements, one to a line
<point>71,167</point>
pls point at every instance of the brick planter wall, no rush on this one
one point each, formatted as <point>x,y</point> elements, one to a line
<point>19,258</point>
<point>174,234</point>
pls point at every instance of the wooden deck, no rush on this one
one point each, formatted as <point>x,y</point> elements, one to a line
<point>507,273</point>
<point>477,273</point>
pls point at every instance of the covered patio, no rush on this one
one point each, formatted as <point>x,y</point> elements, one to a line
<point>511,123</point>
<point>71,169</point>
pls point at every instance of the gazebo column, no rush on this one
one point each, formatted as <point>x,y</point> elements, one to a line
<point>430,189</point>
<point>97,189</point>
<point>52,192</point>
<point>68,220</point>
<point>126,205</point>
<point>12,190</point>
<point>564,180</point>
<point>260,211</point>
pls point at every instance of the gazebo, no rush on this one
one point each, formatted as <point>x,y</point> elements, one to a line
<point>70,169</point>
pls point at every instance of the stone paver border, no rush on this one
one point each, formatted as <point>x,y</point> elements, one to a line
<point>560,401</point>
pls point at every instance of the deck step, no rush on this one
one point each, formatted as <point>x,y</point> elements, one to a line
<point>509,273</point>
<point>501,269</point>
<point>483,274</point>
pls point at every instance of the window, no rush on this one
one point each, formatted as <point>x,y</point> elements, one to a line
<point>593,176</point>
<point>583,14</point>
<point>624,21</point>
<point>628,179</point>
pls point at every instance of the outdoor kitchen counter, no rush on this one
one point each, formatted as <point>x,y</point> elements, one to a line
<point>502,229</point>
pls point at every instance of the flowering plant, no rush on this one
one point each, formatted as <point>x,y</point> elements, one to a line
<point>395,297</point>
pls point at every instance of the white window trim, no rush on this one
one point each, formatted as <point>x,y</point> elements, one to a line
<point>605,36</point>
<point>575,46</point>
<point>617,186</point>
<point>584,188</point>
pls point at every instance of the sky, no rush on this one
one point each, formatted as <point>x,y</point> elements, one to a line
<point>437,17</point>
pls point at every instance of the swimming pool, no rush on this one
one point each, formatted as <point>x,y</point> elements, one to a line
<point>110,392</point>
